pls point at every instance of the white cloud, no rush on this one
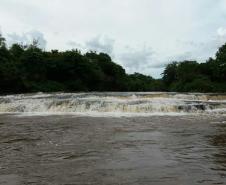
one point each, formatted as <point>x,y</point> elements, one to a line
<point>157,23</point>
<point>201,51</point>
<point>98,44</point>
<point>101,44</point>
<point>27,38</point>
<point>221,31</point>
<point>135,59</point>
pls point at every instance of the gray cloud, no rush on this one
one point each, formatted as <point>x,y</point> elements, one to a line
<point>75,45</point>
<point>182,57</point>
<point>135,59</point>
<point>199,24</point>
<point>221,32</point>
<point>101,44</point>
<point>201,51</point>
<point>143,60</point>
<point>27,38</point>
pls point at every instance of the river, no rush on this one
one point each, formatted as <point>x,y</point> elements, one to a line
<point>113,138</point>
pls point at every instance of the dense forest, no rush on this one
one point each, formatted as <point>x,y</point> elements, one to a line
<point>27,68</point>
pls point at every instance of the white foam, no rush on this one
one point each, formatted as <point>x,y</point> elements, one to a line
<point>113,104</point>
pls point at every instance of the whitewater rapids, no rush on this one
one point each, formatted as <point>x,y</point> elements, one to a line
<point>114,103</point>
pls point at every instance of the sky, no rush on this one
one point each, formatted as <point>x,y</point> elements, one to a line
<point>141,35</point>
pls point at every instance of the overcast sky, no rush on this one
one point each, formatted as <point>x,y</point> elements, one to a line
<point>141,35</point>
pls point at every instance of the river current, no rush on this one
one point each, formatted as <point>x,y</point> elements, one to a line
<point>113,138</point>
<point>114,104</point>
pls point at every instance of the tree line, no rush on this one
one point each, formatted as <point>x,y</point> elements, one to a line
<point>27,68</point>
<point>191,76</point>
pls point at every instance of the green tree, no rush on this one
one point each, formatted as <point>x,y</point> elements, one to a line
<point>170,73</point>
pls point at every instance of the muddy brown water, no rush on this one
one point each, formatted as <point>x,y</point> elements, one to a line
<point>73,150</point>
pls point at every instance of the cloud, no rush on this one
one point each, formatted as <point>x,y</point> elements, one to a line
<point>183,56</point>
<point>201,51</point>
<point>143,60</point>
<point>27,38</point>
<point>135,59</point>
<point>221,32</point>
<point>201,27</point>
<point>101,44</point>
<point>74,45</point>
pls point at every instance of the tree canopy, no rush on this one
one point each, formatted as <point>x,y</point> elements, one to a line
<point>30,69</point>
<point>192,76</point>
<point>27,68</point>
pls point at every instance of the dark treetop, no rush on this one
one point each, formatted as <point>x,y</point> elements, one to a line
<point>30,69</point>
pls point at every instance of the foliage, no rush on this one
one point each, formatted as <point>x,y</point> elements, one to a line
<point>190,76</point>
<point>30,69</point>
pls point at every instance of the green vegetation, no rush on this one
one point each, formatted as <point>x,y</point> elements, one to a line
<point>190,76</point>
<point>30,69</point>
